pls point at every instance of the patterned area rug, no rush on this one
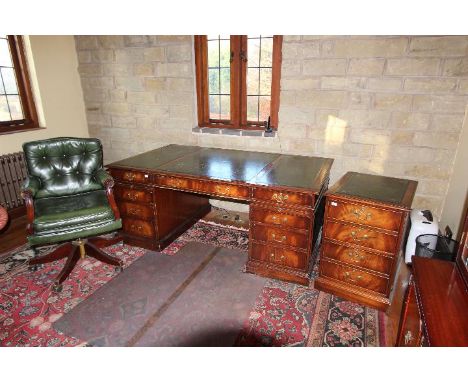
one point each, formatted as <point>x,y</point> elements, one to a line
<point>284,314</point>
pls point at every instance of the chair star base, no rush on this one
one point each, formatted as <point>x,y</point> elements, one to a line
<point>75,250</point>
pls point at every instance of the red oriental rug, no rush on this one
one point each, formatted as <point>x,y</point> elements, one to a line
<point>284,314</point>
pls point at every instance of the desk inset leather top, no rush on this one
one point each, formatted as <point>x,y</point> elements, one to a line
<point>258,168</point>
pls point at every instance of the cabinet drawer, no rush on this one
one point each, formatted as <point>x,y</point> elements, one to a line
<point>135,210</point>
<point>280,256</point>
<point>278,236</point>
<point>361,236</point>
<point>226,190</point>
<point>280,219</point>
<point>283,197</point>
<point>363,214</point>
<point>138,227</point>
<point>174,182</point>
<point>131,176</point>
<point>352,276</point>
<point>353,256</point>
<point>133,194</point>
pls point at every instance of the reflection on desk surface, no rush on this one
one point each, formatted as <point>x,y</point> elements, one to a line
<point>260,168</point>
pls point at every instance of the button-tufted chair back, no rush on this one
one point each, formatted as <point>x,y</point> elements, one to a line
<point>64,166</point>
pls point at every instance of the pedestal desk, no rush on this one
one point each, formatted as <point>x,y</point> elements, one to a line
<point>161,193</point>
<point>363,236</point>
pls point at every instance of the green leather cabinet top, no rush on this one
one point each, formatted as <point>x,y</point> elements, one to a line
<point>268,169</point>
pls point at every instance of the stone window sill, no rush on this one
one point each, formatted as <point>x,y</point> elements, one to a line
<point>233,132</point>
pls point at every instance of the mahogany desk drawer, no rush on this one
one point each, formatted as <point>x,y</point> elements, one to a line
<point>281,256</point>
<point>131,176</point>
<point>138,227</point>
<point>283,197</point>
<point>353,276</point>
<point>365,237</point>
<point>174,182</point>
<point>133,194</point>
<point>278,236</point>
<point>138,211</point>
<point>271,216</point>
<point>363,214</point>
<point>357,257</point>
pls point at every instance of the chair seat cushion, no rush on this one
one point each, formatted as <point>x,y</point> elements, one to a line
<point>65,213</point>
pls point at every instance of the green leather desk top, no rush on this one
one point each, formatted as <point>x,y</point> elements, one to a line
<point>376,187</point>
<point>258,168</point>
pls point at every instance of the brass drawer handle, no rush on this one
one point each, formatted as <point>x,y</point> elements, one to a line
<point>408,337</point>
<point>272,256</point>
<point>356,257</point>
<point>130,176</point>
<point>276,219</point>
<point>220,190</point>
<point>348,276</point>
<point>362,214</point>
<point>132,196</point>
<point>134,211</point>
<point>134,227</point>
<point>354,236</point>
<point>280,197</point>
<point>279,240</point>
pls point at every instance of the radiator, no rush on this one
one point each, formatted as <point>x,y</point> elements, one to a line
<point>12,174</point>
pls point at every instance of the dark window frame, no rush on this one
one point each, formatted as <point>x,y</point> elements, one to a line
<point>238,84</point>
<point>30,120</point>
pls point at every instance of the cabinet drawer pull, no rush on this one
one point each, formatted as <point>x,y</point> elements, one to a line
<point>362,214</point>
<point>272,255</point>
<point>408,337</point>
<point>174,182</point>
<point>276,219</point>
<point>223,191</point>
<point>355,256</point>
<point>134,211</point>
<point>349,277</point>
<point>279,240</point>
<point>354,236</point>
<point>134,227</point>
<point>132,196</point>
<point>130,176</point>
<point>280,197</point>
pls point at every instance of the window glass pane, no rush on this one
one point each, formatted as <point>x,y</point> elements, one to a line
<point>225,53</point>
<point>252,81</point>
<point>264,109</point>
<point>15,107</point>
<point>265,81</point>
<point>225,76</point>
<point>213,53</point>
<point>213,81</point>
<point>4,112</point>
<point>5,58</point>
<point>225,107</point>
<point>266,56</point>
<point>252,108</point>
<point>9,80</point>
<point>2,89</point>
<point>214,107</point>
<point>212,37</point>
<point>253,52</point>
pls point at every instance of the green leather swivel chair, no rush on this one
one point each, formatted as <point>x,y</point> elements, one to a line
<point>69,197</point>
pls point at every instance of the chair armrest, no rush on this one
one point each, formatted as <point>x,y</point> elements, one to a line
<point>31,185</point>
<point>104,178</point>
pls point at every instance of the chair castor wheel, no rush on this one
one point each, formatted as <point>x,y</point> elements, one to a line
<point>57,288</point>
<point>119,268</point>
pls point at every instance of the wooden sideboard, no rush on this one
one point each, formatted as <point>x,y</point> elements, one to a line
<point>435,310</point>
<point>363,234</point>
<point>161,193</point>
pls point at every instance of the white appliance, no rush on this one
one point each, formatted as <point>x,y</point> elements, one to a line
<point>422,223</point>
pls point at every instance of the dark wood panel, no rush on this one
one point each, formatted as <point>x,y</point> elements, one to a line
<point>131,176</point>
<point>364,214</point>
<point>410,330</point>
<point>133,193</point>
<point>136,210</point>
<point>283,197</point>
<point>364,237</point>
<point>138,227</point>
<point>357,257</point>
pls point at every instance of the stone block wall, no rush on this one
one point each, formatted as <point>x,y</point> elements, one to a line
<point>390,105</point>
